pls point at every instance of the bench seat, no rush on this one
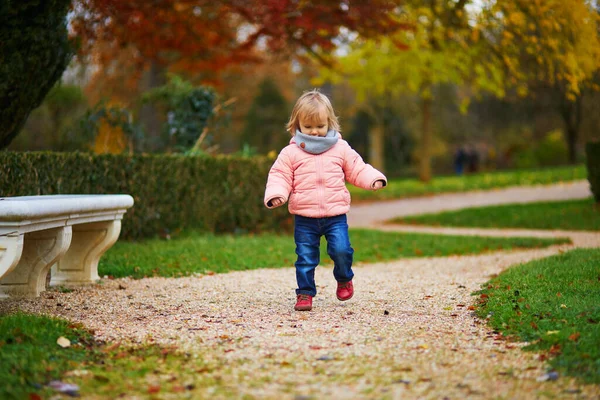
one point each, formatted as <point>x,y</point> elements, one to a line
<point>66,234</point>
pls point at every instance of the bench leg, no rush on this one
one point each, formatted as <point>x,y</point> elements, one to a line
<point>11,248</point>
<point>80,264</point>
<point>40,250</point>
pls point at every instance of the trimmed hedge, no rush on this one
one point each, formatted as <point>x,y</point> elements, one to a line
<point>592,151</point>
<point>171,192</point>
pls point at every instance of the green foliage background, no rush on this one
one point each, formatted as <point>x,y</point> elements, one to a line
<point>266,120</point>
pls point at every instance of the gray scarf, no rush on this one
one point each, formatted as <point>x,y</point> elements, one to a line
<point>316,144</point>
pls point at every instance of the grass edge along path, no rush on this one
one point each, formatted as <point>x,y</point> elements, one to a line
<point>576,215</point>
<point>553,304</point>
<point>399,188</point>
<point>30,356</point>
<point>196,253</point>
<point>32,361</point>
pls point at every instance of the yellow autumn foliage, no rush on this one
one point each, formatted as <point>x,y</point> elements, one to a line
<point>110,139</point>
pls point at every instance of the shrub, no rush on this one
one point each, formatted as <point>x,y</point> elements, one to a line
<point>171,192</point>
<point>552,150</point>
<point>188,109</point>
<point>525,159</point>
<point>592,151</point>
<point>35,51</point>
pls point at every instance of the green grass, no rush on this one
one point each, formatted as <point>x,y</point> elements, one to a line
<point>569,215</point>
<point>199,253</point>
<point>30,358</point>
<point>554,303</point>
<point>401,188</point>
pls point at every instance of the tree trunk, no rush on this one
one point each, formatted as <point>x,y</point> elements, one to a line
<point>572,135</point>
<point>376,148</point>
<point>425,156</point>
<point>571,112</point>
<point>150,118</point>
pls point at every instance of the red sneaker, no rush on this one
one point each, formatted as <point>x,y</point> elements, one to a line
<point>345,291</point>
<point>303,302</point>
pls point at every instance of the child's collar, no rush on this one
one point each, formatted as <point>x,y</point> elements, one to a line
<point>316,144</point>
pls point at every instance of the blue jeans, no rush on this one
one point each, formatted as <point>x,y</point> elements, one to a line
<point>307,234</point>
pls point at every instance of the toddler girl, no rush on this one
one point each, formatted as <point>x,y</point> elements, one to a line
<point>311,173</point>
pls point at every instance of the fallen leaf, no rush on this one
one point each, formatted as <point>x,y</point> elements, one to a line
<point>112,347</point>
<point>574,337</point>
<point>534,325</point>
<point>154,389</point>
<point>78,373</point>
<point>63,342</point>
<point>555,349</point>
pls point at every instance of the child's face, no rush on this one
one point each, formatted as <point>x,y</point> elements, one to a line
<point>316,126</point>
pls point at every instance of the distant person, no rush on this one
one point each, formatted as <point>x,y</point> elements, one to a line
<point>459,160</point>
<point>311,173</point>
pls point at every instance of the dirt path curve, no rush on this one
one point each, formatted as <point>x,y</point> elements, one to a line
<point>374,213</point>
<point>408,332</point>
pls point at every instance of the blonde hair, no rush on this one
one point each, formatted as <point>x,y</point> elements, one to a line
<point>310,105</point>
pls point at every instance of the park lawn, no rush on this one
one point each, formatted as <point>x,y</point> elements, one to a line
<point>31,358</point>
<point>554,304</point>
<point>206,253</point>
<point>569,215</point>
<point>405,187</point>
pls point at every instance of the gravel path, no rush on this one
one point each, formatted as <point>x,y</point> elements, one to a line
<point>407,333</point>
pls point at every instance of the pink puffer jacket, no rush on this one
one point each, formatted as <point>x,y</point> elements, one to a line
<point>315,183</point>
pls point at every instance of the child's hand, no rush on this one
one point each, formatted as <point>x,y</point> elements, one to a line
<point>377,185</point>
<point>278,201</point>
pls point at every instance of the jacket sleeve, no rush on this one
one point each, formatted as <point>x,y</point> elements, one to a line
<point>359,173</point>
<point>280,179</point>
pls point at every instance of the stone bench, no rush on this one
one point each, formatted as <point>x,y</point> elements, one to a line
<point>65,233</point>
